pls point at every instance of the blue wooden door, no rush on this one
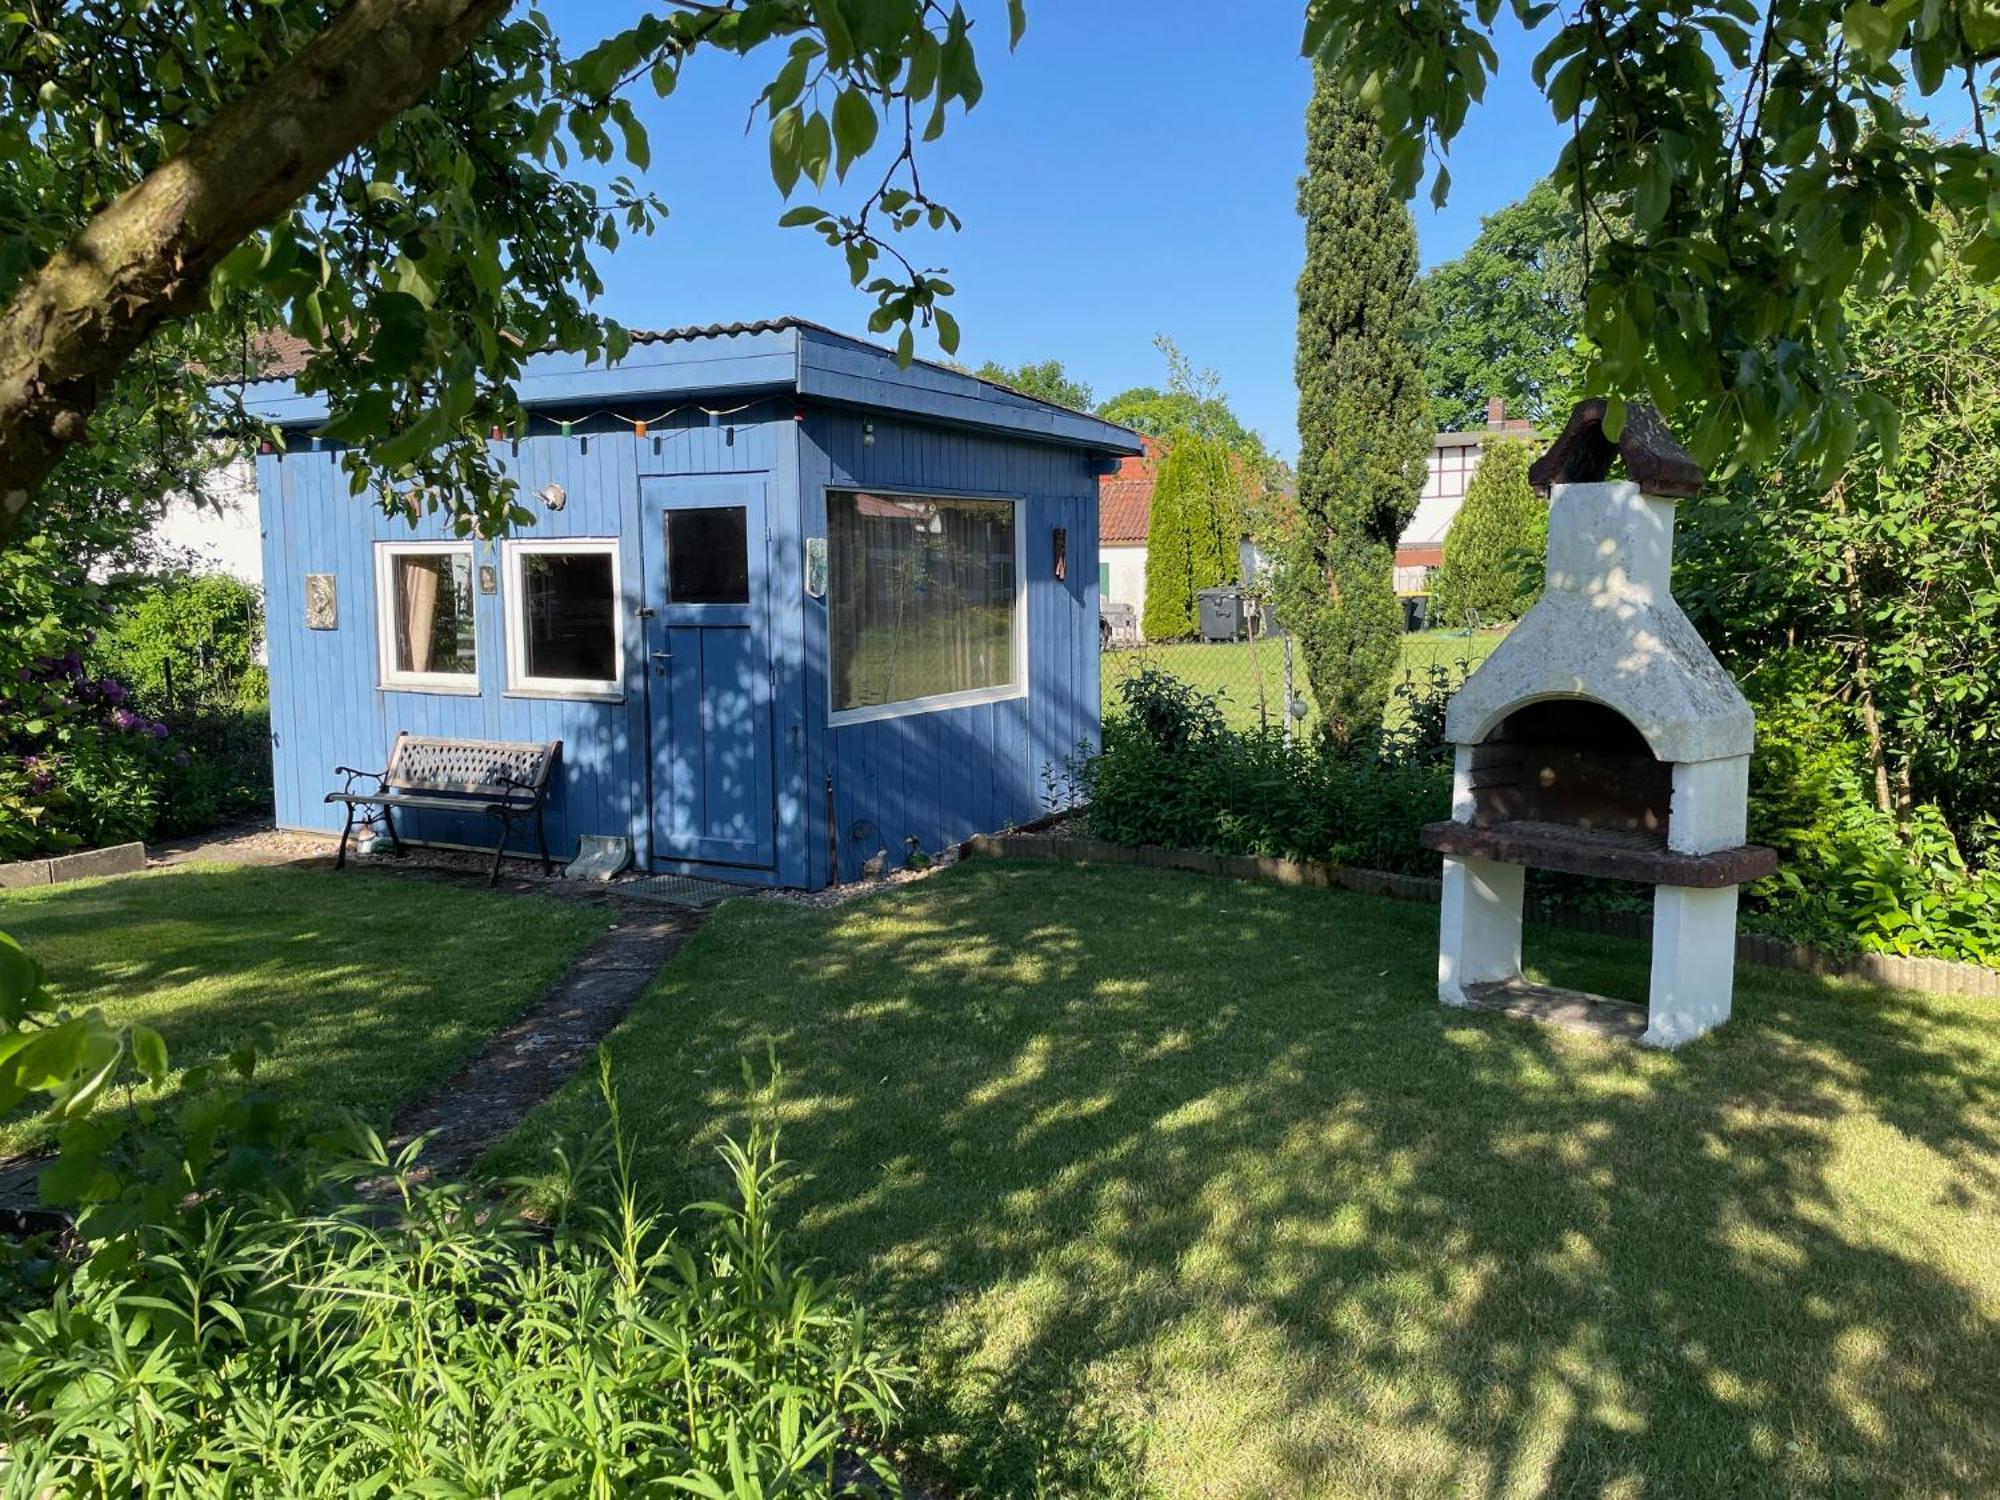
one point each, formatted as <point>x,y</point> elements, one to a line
<point>709,669</point>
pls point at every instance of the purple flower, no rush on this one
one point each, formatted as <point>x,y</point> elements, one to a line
<point>181,757</point>
<point>124,718</point>
<point>40,782</point>
<point>112,689</point>
<point>29,762</point>
<point>158,730</point>
<point>26,674</point>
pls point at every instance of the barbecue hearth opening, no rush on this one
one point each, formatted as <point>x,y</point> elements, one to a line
<point>1571,763</point>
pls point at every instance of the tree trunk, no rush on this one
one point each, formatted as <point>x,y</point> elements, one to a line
<point>148,257</point>
<point>1864,675</point>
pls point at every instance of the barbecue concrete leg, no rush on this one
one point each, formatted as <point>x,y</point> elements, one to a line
<point>1480,930</point>
<point>1694,963</point>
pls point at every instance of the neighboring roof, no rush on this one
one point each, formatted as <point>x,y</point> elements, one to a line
<point>771,354</point>
<point>1125,497</point>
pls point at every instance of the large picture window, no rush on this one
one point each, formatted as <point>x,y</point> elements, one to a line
<point>564,626</point>
<point>923,602</point>
<point>424,600</point>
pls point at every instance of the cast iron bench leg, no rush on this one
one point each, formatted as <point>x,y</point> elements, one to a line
<point>499,850</point>
<point>347,827</point>
<point>395,839</point>
<point>541,839</point>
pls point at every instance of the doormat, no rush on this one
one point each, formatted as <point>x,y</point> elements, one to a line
<point>679,890</point>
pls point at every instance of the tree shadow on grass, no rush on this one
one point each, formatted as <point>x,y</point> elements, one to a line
<point>360,990</point>
<point>1182,1179</point>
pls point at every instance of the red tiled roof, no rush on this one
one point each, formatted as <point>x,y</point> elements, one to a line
<point>1420,557</point>
<point>1125,498</point>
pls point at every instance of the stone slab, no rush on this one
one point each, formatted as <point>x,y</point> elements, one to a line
<point>119,859</point>
<point>24,873</point>
<point>1573,1010</point>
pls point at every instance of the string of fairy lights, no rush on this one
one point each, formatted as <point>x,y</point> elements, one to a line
<point>566,426</point>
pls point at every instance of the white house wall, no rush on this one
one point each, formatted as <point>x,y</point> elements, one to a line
<point>1125,575</point>
<point>1451,469</point>
<point>221,535</point>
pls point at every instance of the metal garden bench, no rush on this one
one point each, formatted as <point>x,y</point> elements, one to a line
<point>505,780</point>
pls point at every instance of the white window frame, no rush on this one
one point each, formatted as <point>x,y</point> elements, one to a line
<point>390,680</point>
<point>937,702</point>
<point>514,596</point>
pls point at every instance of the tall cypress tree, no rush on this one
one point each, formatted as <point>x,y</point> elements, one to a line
<point>1365,424</point>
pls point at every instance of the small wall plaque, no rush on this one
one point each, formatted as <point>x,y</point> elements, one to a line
<point>489,579</point>
<point>816,566</point>
<point>322,602</point>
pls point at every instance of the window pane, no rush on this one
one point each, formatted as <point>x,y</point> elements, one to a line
<point>434,613</point>
<point>921,599</point>
<point>708,555</point>
<point>568,612</point>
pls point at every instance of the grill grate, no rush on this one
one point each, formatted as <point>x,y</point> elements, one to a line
<point>679,890</point>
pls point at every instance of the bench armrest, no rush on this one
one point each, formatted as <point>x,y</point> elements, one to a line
<point>511,785</point>
<point>380,778</point>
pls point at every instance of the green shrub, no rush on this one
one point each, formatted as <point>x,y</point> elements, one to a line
<point>1851,876</point>
<point>1496,548</point>
<point>220,768</point>
<point>1173,774</point>
<point>157,725</point>
<point>235,1321</point>
<point>187,641</point>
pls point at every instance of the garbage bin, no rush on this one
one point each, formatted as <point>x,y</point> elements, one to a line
<point>1221,614</point>
<point>1416,608</point>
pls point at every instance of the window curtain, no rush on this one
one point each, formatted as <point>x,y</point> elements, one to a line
<point>417,583</point>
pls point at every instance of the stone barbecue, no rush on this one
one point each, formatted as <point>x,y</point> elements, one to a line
<point>1602,738</point>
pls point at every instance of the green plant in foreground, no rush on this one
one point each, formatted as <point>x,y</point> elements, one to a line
<point>244,1322</point>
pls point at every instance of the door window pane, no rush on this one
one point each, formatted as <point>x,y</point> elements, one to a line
<point>708,555</point>
<point>922,597</point>
<point>432,614</point>
<point>569,606</point>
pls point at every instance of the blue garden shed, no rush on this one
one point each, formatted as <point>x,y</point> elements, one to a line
<point>784,603</point>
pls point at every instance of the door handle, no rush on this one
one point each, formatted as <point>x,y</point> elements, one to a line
<point>661,658</point>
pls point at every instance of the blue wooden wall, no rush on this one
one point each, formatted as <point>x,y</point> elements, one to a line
<point>944,775</point>
<point>326,707</point>
<point>939,776</point>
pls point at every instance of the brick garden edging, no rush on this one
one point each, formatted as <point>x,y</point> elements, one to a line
<point>119,859</point>
<point>1940,976</point>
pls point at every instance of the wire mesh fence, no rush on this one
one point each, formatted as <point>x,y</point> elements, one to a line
<point>1254,678</point>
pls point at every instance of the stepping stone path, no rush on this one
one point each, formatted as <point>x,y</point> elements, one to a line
<point>529,1060</point>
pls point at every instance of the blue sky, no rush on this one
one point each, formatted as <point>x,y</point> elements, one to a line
<point>1131,171</point>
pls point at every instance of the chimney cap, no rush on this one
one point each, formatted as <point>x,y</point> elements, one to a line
<point>1583,454</point>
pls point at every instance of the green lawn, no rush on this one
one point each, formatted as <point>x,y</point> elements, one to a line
<point>1250,675</point>
<point>1189,1187</point>
<point>364,990</point>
